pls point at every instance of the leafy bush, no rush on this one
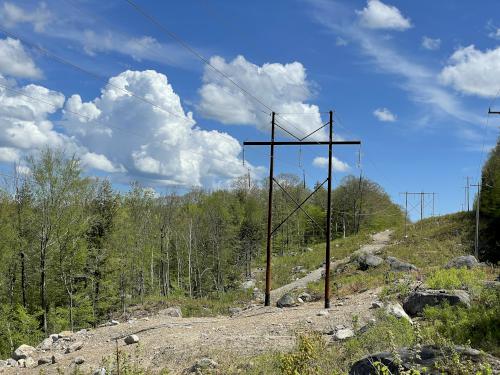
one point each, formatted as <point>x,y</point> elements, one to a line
<point>453,278</point>
<point>304,360</point>
<point>17,327</point>
<point>476,326</point>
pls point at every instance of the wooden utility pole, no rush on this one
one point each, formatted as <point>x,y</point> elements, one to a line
<point>272,180</point>
<point>476,237</point>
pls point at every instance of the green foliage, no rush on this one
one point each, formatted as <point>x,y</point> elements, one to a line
<point>476,326</point>
<point>490,207</point>
<point>457,279</point>
<point>17,327</point>
<point>303,360</point>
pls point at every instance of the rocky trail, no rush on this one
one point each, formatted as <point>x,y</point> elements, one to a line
<point>175,343</point>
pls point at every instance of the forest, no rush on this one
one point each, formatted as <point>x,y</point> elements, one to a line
<point>74,251</point>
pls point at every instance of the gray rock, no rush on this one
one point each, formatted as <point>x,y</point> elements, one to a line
<point>366,261</point>
<point>27,362</point>
<point>74,347</point>
<point>234,310</point>
<point>99,371</point>
<point>258,296</point>
<point>3,364</point>
<point>44,360</point>
<point>418,300</point>
<point>395,309</point>
<point>323,313</point>
<point>11,362</point>
<point>54,337</point>
<point>398,265</point>
<point>306,297</point>
<point>132,339</point>
<point>23,352</point>
<point>78,360</point>
<point>342,334</point>
<point>286,301</point>
<point>202,365</point>
<point>56,358</point>
<point>114,322</point>
<point>468,261</point>
<point>174,312</point>
<point>427,357</point>
<point>298,269</point>
<point>249,284</point>
<point>377,305</point>
<point>46,344</point>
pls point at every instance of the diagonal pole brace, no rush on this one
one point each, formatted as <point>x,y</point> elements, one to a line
<point>297,204</point>
<point>298,207</point>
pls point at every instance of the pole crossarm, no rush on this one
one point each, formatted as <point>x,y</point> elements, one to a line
<point>292,143</point>
<point>299,206</point>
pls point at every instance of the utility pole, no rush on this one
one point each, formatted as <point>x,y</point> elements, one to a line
<point>421,205</point>
<point>476,238</point>
<point>406,212</point>
<point>421,195</point>
<point>272,180</point>
<point>467,193</point>
<point>433,196</point>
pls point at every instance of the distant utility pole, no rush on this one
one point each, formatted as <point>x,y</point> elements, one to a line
<point>476,238</point>
<point>467,194</point>
<point>422,204</point>
<point>270,231</point>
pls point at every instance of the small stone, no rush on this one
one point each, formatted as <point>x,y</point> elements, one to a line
<point>286,301</point>
<point>65,334</point>
<point>46,344</point>
<point>27,362</point>
<point>377,305</point>
<point>323,313</point>
<point>11,362</point>
<point>114,322</point>
<point>99,371</point>
<point>81,332</point>
<point>299,300</point>
<point>56,358</point>
<point>3,364</point>
<point>306,297</point>
<point>44,361</point>
<point>234,310</point>
<point>339,304</point>
<point>249,284</point>
<point>343,334</point>
<point>397,310</point>
<point>74,347</point>
<point>79,360</point>
<point>23,352</point>
<point>54,337</point>
<point>132,339</point>
<point>174,312</point>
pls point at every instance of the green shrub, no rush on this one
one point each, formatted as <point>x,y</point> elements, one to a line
<point>453,278</point>
<point>304,360</point>
<point>476,326</point>
<point>17,327</point>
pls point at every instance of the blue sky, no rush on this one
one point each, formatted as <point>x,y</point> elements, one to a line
<point>412,80</point>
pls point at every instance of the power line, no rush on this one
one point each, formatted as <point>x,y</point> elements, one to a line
<point>198,55</point>
<point>86,71</point>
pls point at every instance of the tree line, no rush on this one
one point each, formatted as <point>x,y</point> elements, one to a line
<point>73,250</point>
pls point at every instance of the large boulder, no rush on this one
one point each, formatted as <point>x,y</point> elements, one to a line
<point>286,300</point>
<point>46,344</point>
<point>174,312</point>
<point>74,347</point>
<point>398,265</point>
<point>366,261</point>
<point>23,352</point>
<point>468,261</point>
<point>427,357</point>
<point>419,299</point>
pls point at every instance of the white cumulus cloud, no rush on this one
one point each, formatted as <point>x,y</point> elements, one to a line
<point>383,114</point>
<point>15,61</point>
<point>282,87</point>
<point>337,165</point>
<point>377,15</point>
<point>472,71</point>
<point>430,43</point>
<point>161,144</point>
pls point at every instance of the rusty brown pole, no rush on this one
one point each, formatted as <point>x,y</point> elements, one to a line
<point>328,217</point>
<point>270,218</point>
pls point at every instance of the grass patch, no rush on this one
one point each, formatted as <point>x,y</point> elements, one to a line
<point>457,279</point>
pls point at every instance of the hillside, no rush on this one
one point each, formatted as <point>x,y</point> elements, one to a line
<point>250,339</point>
